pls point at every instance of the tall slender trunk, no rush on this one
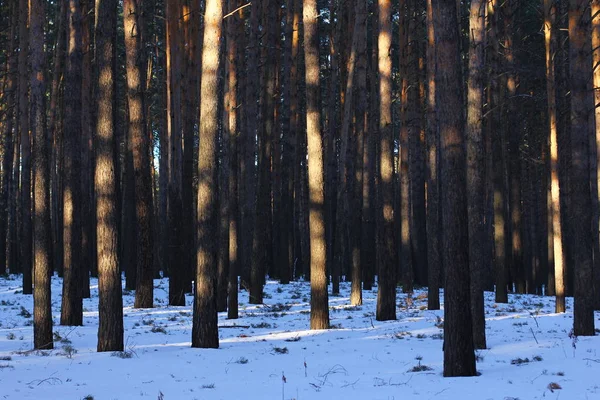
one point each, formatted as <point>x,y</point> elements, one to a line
<point>110,303</point>
<point>433,194</point>
<point>386,293</point>
<point>319,308</point>
<point>177,270</point>
<point>7,133</point>
<point>233,28</point>
<point>25,237</point>
<point>42,309</point>
<point>55,135</point>
<point>247,172</point>
<point>136,69</point>
<point>72,303</point>
<point>87,228</point>
<point>499,155</point>
<point>224,194</point>
<point>581,98</point>
<point>342,225</point>
<point>408,135</point>
<point>554,203</point>
<point>513,133</point>
<point>476,169</point>
<point>360,111</point>
<point>416,146</point>
<point>287,190</point>
<point>205,332</point>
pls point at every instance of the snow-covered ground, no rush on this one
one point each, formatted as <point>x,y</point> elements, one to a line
<point>269,353</point>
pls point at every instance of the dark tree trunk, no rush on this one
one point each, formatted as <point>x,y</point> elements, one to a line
<point>56,157</point>
<point>87,223</point>
<point>459,355</point>
<point>581,98</point>
<point>287,190</point>
<point>476,170</point>
<point>247,172</point>
<point>433,184</point>
<point>42,309</point>
<point>176,250</point>
<point>370,214</point>
<point>259,213</point>
<point>72,302</point>
<point>233,31</point>
<point>7,133</point>
<point>110,305</point>
<point>25,234</point>
<point>499,169</point>
<point>360,192</point>
<point>205,332</point>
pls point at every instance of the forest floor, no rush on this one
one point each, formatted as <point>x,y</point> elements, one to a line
<point>269,352</point>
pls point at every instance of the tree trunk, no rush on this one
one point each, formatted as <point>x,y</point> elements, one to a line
<point>55,158</point>
<point>233,29</point>
<point>7,160</point>
<point>360,110</point>
<point>554,203</point>
<point>136,69</point>
<point>42,308</point>
<point>176,251</point>
<point>433,194</point>
<point>72,303</point>
<point>459,355</point>
<point>25,237</point>
<point>110,305</point>
<point>87,224</point>
<point>248,195</point>
<point>513,133</point>
<point>499,156</point>
<point>254,259</point>
<point>580,57</point>
<point>386,294</point>
<point>287,190</point>
<point>476,169</point>
<point>205,332</point>
<point>319,307</point>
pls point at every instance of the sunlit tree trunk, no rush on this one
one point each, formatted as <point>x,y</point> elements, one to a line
<point>554,203</point>
<point>205,332</point>
<point>386,293</point>
<point>319,307</point>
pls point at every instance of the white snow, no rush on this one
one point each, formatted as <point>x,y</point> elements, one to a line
<point>360,359</point>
